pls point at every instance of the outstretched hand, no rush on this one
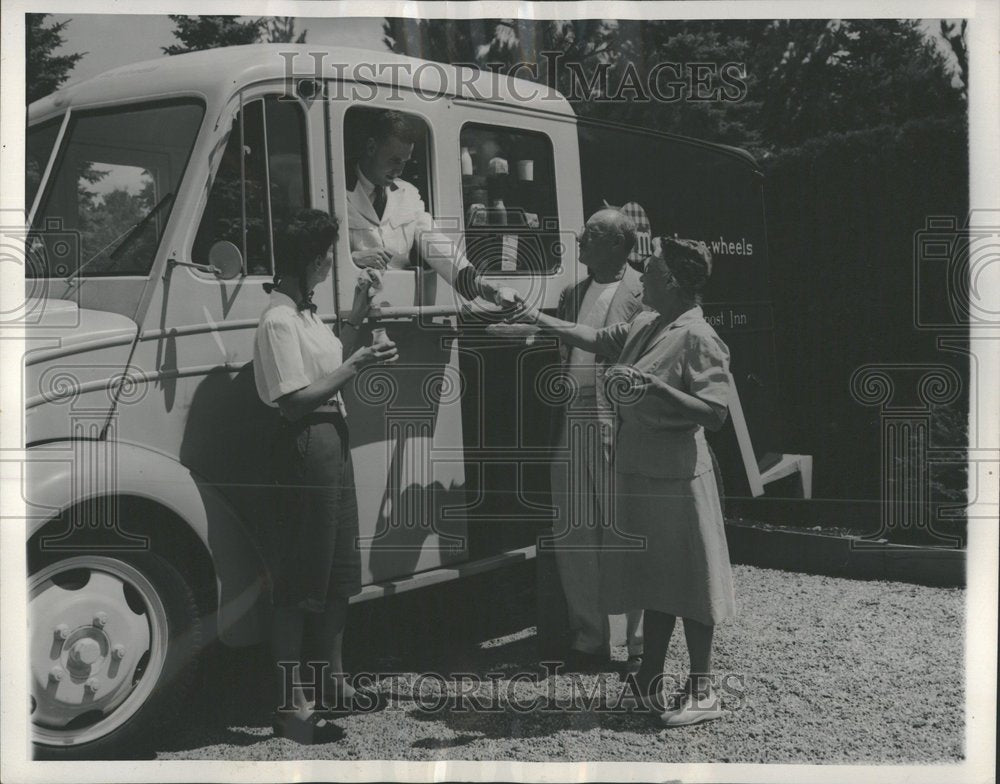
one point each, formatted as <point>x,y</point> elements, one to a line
<point>521,314</point>
<point>514,309</point>
<point>372,258</point>
<point>508,298</point>
<point>369,281</point>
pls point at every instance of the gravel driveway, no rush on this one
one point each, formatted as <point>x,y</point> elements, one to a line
<point>817,669</point>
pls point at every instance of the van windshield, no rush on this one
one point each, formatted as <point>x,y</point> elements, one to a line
<point>112,188</point>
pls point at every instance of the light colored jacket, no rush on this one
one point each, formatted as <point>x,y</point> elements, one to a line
<point>402,221</point>
<point>653,438</point>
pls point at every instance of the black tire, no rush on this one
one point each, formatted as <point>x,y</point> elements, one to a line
<point>156,682</point>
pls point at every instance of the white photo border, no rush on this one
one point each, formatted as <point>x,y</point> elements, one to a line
<point>983,549</point>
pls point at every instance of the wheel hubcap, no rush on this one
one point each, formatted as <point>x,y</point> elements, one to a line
<point>92,621</point>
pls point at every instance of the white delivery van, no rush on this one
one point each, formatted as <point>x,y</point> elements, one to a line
<point>153,194</point>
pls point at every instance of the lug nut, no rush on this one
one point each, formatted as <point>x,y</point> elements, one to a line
<point>91,684</point>
<point>57,673</point>
<point>118,651</point>
<point>62,631</point>
<point>100,619</point>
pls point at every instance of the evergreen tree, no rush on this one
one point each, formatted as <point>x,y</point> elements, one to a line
<point>845,75</point>
<point>956,40</point>
<point>703,92</point>
<point>209,32</point>
<point>45,71</point>
<point>803,78</point>
<point>281,30</point>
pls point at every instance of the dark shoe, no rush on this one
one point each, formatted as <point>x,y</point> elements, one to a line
<point>316,729</point>
<point>586,663</point>
<point>633,664</point>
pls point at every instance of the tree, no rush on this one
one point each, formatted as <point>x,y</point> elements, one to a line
<point>45,71</point>
<point>845,75</point>
<point>588,60</point>
<point>209,32</point>
<point>803,78</point>
<point>709,58</point>
<point>281,30</point>
<point>493,43</point>
<point>455,41</point>
<point>956,40</point>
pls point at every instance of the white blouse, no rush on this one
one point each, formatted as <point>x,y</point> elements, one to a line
<point>292,349</point>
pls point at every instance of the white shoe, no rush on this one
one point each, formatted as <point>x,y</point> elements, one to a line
<point>693,709</point>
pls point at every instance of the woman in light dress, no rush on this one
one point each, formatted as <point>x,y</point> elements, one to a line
<point>666,551</point>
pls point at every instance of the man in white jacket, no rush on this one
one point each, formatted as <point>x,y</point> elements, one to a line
<point>388,221</point>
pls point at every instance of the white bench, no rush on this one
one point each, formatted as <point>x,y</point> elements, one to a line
<point>782,467</point>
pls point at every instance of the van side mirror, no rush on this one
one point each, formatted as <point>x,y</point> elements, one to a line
<point>227,260</point>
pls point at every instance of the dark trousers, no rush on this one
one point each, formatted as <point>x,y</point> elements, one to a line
<point>319,514</point>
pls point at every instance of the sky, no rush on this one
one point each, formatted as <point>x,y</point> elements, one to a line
<point>134,37</point>
<point>140,37</point>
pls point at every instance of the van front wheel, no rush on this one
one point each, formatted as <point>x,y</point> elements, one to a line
<point>114,641</point>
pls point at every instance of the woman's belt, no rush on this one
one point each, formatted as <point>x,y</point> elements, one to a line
<point>315,417</point>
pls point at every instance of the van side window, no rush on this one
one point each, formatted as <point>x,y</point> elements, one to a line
<point>509,198</point>
<point>275,184</point>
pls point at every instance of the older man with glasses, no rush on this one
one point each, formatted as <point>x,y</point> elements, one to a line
<point>582,485</point>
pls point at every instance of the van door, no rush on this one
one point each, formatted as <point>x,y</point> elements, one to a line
<point>405,421</point>
<point>520,205</point>
<point>196,342</point>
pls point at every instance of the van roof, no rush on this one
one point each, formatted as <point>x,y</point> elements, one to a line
<point>226,69</point>
<point>218,73</point>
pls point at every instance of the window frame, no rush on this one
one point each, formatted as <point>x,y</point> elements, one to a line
<point>242,103</point>
<point>429,170</point>
<point>58,157</point>
<point>59,123</point>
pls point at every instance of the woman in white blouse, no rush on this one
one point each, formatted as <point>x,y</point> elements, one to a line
<point>300,368</point>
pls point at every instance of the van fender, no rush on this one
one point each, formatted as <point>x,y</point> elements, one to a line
<point>63,474</point>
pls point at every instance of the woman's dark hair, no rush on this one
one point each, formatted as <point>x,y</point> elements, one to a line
<point>307,234</point>
<point>690,262</point>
